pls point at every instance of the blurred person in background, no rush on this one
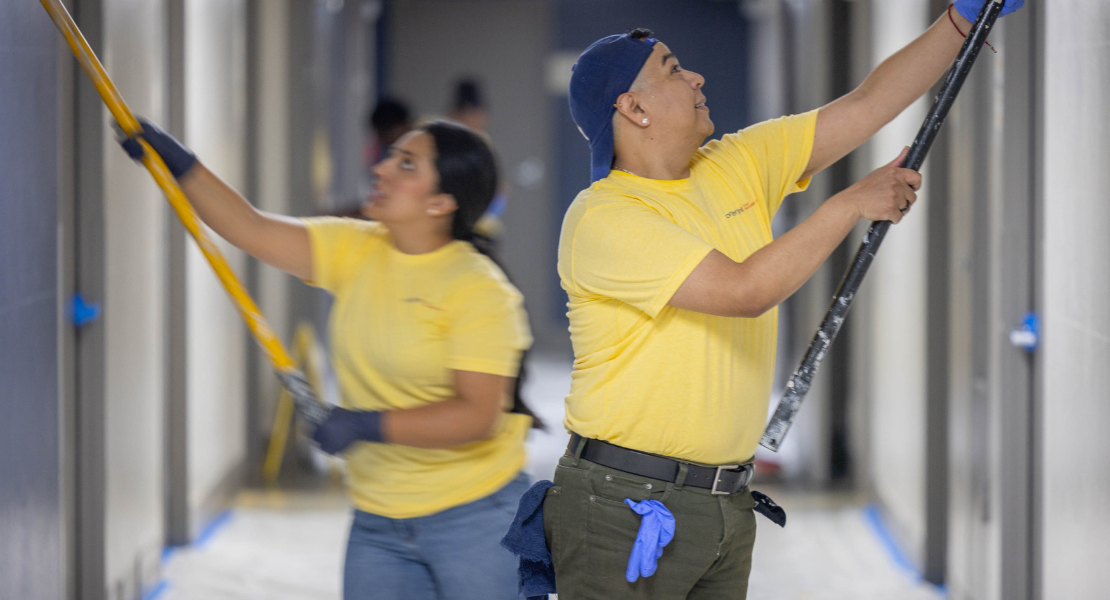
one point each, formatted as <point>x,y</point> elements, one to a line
<point>468,107</point>
<point>389,120</point>
<point>673,281</point>
<point>427,336</point>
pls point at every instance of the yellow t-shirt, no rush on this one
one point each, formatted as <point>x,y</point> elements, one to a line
<point>399,326</point>
<point>650,376</point>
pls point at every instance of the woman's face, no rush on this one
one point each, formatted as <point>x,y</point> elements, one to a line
<point>407,183</point>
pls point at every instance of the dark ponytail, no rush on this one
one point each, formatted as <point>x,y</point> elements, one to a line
<point>468,172</point>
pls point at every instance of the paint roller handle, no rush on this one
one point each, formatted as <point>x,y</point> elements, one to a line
<point>798,385</point>
<point>304,399</point>
<point>332,427</point>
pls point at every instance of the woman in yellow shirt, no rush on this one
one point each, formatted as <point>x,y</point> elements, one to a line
<point>427,337</point>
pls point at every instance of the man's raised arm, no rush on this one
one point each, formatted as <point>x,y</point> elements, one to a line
<point>897,82</point>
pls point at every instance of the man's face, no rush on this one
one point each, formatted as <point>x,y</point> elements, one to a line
<point>671,97</point>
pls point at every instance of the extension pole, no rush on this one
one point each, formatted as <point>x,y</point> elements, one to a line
<point>799,383</point>
<point>307,403</point>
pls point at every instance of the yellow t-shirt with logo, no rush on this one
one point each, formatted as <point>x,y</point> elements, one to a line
<point>399,326</point>
<point>650,376</point>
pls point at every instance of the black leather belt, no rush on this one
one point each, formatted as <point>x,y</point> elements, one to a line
<point>725,479</point>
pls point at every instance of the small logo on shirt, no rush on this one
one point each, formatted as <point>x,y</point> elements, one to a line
<point>739,210</point>
<point>422,302</point>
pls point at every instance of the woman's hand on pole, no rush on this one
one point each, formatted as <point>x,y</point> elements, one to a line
<point>344,427</point>
<point>179,159</point>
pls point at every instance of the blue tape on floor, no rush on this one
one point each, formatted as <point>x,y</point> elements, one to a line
<point>874,518</point>
<point>159,588</point>
<point>205,536</point>
<point>217,524</point>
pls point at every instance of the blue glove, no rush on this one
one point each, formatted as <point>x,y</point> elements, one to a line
<point>656,531</point>
<point>344,427</point>
<point>969,9</point>
<point>177,157</point>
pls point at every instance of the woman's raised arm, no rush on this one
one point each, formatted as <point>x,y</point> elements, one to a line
<point>276,240</point>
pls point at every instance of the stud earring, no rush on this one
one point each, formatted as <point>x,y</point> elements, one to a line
<point>431,211</point>
<point>644,121</point>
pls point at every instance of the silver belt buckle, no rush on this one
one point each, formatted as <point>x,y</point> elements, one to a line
<point>717,479</point>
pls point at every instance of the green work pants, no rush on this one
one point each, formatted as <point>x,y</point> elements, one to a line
<point>591,532</point>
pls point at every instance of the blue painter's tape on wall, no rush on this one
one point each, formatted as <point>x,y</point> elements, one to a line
<point>1028,336</point>
<point>83,312</point>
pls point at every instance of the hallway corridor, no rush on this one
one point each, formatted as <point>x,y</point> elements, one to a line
<point>952,444</point>
<point>283,545</point>
<point>286,547</point>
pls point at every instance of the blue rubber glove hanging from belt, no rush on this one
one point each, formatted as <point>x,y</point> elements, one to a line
<point>656,531</point>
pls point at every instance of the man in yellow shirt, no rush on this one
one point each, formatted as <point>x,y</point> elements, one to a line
<point>673,279</point>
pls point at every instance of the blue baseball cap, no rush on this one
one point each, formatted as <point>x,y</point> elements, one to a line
<point>603,72</point>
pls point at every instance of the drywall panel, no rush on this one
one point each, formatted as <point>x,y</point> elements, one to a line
<point>1075,286</point>
<point>896,296</point>
<point>215,128</point>
<point>31,552</point>
<point>134,281</point>
<point>272,176</point>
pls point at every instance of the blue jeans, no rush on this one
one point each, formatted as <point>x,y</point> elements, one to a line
<point>455,554</point>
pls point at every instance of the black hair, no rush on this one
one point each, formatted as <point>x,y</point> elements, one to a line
<point>468,95</point>
<point>467,171</point>
<point>389,112</point>
<point>640,33</point>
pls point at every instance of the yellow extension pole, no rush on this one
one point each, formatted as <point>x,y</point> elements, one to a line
<point>304,351</point>
<point>165,180</point>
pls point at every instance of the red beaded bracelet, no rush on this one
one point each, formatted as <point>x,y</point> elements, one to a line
<point>950,18</point>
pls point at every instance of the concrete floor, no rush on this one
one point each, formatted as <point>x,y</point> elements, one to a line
<point>278,545</point>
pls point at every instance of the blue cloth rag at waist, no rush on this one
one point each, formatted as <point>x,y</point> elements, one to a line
<point>527,540</point>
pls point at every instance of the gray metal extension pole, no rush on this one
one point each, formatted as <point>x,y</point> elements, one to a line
<point>800,382</point>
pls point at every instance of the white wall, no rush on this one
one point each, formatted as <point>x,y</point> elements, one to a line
<point>134,213</point>
<point>1076,284</point>
<point>806,453</point>
<point>215,113</point>
<point>896,295</point>
<point>272,175</point>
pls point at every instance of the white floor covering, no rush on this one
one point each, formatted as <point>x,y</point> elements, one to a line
<point>289,545</point>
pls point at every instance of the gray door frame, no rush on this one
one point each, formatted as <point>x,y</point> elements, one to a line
<point>1016,206</point>
<point>1036,64</point>
<point>991,287</point>
<point>254,438</point>
<point>935,552</point>
<point>89,366</point>
<point>67,333</point>
<point>177,522</point>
